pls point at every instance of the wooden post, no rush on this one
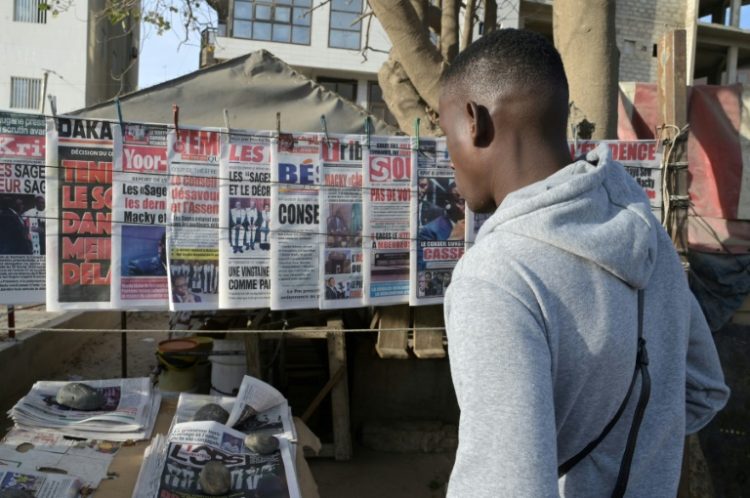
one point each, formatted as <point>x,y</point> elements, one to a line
<point>342,438</point>
<point>393,343</point>
<point>252,345</point>
<point>428,343</point>
<point>672,101</point>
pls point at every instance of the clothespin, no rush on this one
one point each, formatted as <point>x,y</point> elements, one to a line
<point>416,131</point>
<point>367,131</point>
<point>325,128</point>
<point>176,118</point>
<point>226,119</point>
<point>119,116</point>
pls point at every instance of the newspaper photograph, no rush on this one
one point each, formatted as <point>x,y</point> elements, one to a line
<point>387,234</point>
<point>245,248</point>
<point>38,484</point>
<point>341,259</point>
<point>438,224</point>
<point>192,445</point>
<point>79,207</point>
<point>23,216</point>
<point>139,200</point>
<point>254,396</point>
<point>194,225</point>
<point>641,158</point>
<point>295,226</point>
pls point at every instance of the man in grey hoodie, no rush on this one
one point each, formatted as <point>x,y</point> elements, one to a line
<point>542,313</point>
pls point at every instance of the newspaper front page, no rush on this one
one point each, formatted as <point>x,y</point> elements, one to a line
<point>341,259</point>
<point>79,207</point>
<point>295,228</point>
<point>194,224</point>
<point>38,484</point>
<point>387,188</point>
<point>438,226</point>
<point>23,216</point>
<point>139,251</point>
<point>245,249</point>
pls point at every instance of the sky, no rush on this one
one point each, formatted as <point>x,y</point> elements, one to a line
<point>170,55</point>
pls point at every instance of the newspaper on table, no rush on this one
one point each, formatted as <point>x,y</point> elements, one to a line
<point>39,484</point>
<point>438,223</point>
<point>129,412</point>
<point>23,216</point>
<point>244,250</point>
<point>341,259</point>
<point>139,213</point>
<point>295,238</point>
<point>194,224</point>
<point>79,207</point>
<point>641,158</point>
<point>387,189</point>
<point>172,464</point>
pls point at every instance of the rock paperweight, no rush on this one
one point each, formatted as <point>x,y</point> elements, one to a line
<point>263,444</point>
<point>215,479</point>
<point>211,412</point>
<point>79,396</point>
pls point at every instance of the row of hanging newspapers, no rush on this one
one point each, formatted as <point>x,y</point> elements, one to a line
<point>148,217</point>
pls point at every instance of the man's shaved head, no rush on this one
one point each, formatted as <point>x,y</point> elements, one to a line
<point>510,61</point>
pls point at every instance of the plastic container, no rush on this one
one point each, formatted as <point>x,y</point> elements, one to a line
<point>178,374</point>
<point>227,371</point>
<point>203,366</point>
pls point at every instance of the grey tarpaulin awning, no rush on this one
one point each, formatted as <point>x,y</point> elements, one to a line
<point>253,88</point>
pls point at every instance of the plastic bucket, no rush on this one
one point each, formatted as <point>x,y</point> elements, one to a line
<point>227,371</point>
<point>178,374</point>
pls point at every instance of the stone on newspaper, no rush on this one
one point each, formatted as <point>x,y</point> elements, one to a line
<point>215,479</point>
<point>15,493</point>
<point>79,396</point>
<point>212,412</point>
<point>260,443</point>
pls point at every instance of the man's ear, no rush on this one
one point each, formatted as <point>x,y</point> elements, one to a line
<point>480,124</point>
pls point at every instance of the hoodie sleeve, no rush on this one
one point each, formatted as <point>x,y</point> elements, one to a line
<point>501,367</point>
<point>705,390</point>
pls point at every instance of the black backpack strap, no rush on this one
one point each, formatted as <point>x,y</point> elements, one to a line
<point>641,365</point>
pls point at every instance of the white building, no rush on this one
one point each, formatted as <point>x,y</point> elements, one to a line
<point>77,51</point>
<point>325,44</point>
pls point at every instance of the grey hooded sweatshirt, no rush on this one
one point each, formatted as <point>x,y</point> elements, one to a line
<point>541,317</point>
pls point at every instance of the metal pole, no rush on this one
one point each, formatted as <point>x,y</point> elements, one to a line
<point>44,91</point>
<point>11,322</point>
<point>124,343</point>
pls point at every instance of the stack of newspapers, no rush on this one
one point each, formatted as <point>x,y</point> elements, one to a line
<point>173,464</point>
<point>128,412</point>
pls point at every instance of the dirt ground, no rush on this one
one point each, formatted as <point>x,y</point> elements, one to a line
<point>370,474</point>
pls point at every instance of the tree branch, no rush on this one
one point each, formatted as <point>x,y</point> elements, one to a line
<point>490,16</point>
<point>449,30</point>
<point>403,100</point>
<point>468,31</point>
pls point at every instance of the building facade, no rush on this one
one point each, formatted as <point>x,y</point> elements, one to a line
<point>70,56</point>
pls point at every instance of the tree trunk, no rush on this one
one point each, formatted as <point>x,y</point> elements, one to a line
<point>412,47</point>
<point>584,32</point>
<point>490,16</point>
<point>468,31</point>
<point>449,30</point>
<point>403,100</point>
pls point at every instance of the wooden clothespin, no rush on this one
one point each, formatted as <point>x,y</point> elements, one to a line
<point>176,118</point>
<point>286,140</point>
<point>325,129</point>
<point>119,116</point>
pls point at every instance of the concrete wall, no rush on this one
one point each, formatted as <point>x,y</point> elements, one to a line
<point>38,355</point>
<point>27,49</point>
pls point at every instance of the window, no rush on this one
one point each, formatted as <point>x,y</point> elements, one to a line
<point>343,31</point>
<point>25,93</point>
<point>376,104</point>
<point>345,88</point>
<point>284,21</point>
<point>28,11</point>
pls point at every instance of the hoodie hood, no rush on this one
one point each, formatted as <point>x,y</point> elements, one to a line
<point>592,209</point>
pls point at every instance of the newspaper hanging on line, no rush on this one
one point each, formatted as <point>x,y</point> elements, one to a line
<point>245,249</point>
<point>139,200</point>
<point>23,216</point>
<point>194,224</point>
<point>38,484</point>
<point>438,226</point>
<point>387,189</point>
<point>79,207</point>
<point>341,259</point>
<point>295,238</point>
<point>641,158</point>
